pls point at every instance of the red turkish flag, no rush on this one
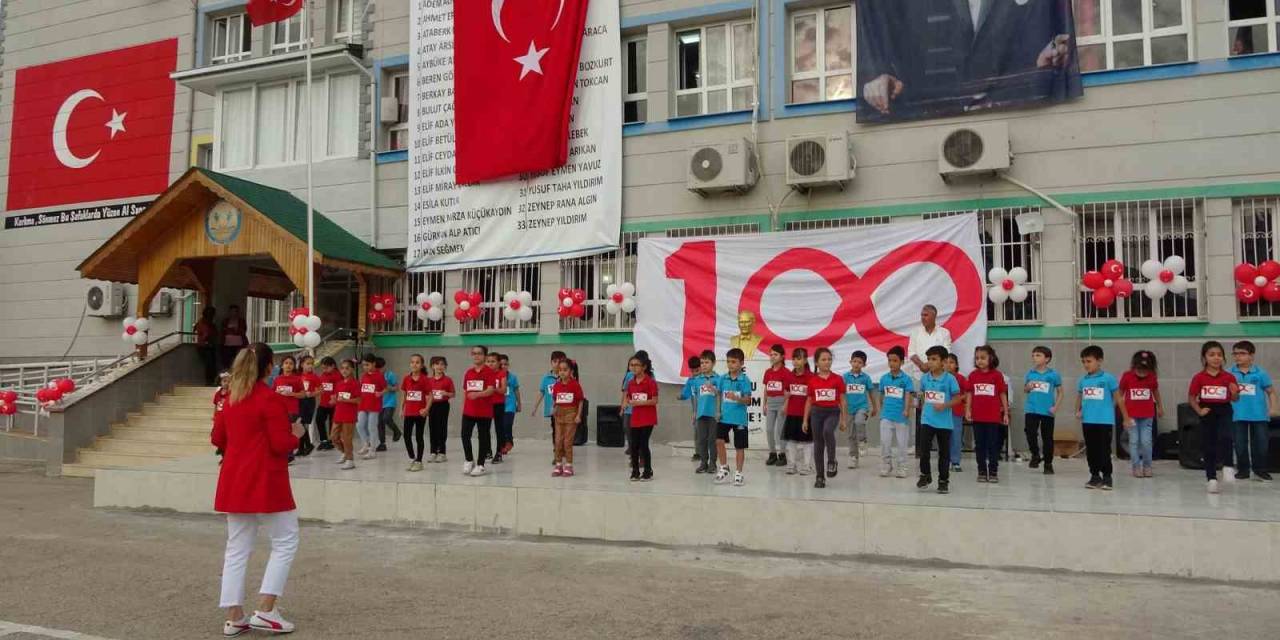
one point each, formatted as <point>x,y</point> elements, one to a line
<point>93,128</point>
<point>514,68</point>
<point>267,11</point>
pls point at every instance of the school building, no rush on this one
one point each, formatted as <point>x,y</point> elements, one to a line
<point>1173,150</point>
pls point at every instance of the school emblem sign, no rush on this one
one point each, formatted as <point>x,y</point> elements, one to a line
<point>222,223</point>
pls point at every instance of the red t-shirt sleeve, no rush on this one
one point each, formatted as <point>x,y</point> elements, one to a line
<point>279,433</point>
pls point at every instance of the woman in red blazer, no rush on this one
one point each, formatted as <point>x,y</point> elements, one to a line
<point>254,431</point>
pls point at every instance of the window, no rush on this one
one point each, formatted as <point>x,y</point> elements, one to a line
<point>268,320</point>
<point>1256,220</point>
<point>594,274</point>
<point>265,125</point>
<point>398,133</point>
<point>822,54</point>
<point>407,289</point>
<point>345,20</point>
<point>286,35</point>
<point>492,283</point>
<point>1119,34</point>
<point>716,69</point>
<point>635,102</point>
<point>1003,246</point>
<point>835,223</point>
<point>1134,232</point>
<point>204,155</point>
<point>1252,26</point>
<point>232,36</point>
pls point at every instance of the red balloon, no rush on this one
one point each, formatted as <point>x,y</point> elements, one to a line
<point>1007,284</point>
<point>460,315</point>
<point>130,329</point>
<point>426,306</point>
<point>459,296</point>
<point>577,310</point>
<point>579,296</point>
<point>373,316</point>
<point>1093,279</point>
<point>8,409</point>
<point>1166,276</point>
<point>8,396</point>
<point>565,292</point>
<point>1123,288</point>
<point>474,312</point>
<point>563,311</point>
<point>302,331</point>
<point>476,298</point>
<point>1248,293</point>
<point>1271,292</point>
<point>1269,269</point>
<point>514,304</point>
<point>1245,273</point>
<point>1113,269</point>
<point>389,300</point>
<point>618,297</point>
<point>1103,298</point>
<point>42,394</point>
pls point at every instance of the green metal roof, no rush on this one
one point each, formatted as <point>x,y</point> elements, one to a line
<point>332,241</point>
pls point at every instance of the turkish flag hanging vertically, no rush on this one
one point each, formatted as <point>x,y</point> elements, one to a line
<point>267,11</point>
<point>514,69</point>
<point>93,128</point>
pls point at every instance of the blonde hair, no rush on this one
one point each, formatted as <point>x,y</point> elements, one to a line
<point>250,365</point>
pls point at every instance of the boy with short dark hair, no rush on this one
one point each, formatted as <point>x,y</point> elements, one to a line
<point>735,396</point>
<point>897,391</point>
<point>940,393</point>
<point>703,389</point>
<point>1096,406</point>
<point>544,390</point>
<point>861,403</point>
<point>1251,413</point>
<point>1044,393</point>
<point>387,414</point>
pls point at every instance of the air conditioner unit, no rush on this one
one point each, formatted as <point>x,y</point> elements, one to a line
<point>105,300</point>
<point>819,160</point>
<point>161,304</point>
<point>389,110</point>
<point>729,166</point>
<point>978,148</point>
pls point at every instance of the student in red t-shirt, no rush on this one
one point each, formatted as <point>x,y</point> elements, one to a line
<point>568,396</point>
<point>799,441</point>
<point>642,396</point>
<point>310,391</point>
<point>415,388</point>
<point>479,384</point>
<point>824,411</point>
<point>329,376</point>
<point>346,398</point>
<point>372,386</point>
<point>442,391</point>
<point>952,365</point>
<point>1141,393</point>
<point>1210,394</point>
<point>987,407</point>
<point>775,403</point>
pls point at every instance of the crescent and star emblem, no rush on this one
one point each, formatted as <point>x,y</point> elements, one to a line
<point>60,123</point>
<point>531,61</point>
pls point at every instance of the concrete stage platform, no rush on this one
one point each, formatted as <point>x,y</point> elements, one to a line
<point>1167,525</point>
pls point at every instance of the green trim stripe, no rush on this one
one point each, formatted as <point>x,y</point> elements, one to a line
<point>403,340</point>
<point>645,226</point>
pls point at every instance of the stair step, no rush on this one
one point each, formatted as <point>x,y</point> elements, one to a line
<point>76,470</point>
<point>169,422</point>
<point>202,392</point>
<point>192,402</point>
<point>203,413</point>
<point>188,436</point>
<point>152,447</point>
<point>93,458</point>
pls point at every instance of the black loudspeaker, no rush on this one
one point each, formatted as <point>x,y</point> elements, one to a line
<point>609,431</point>
<point>1166,446</point>
<point>1189,438</point>
<point>580,436</point>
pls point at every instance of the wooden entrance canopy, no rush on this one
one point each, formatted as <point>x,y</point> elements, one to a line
<point>204,216</point>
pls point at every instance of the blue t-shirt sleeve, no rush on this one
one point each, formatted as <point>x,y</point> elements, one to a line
<point>954,385</point>
<point>1112,383</point>
<point>513,382</point>
<point>684,391</point>
<point>1264,379</point>
<point>1055,379</point>
<point>1080,385</point>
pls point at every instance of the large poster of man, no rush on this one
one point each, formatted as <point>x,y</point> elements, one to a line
<point>936,58</point>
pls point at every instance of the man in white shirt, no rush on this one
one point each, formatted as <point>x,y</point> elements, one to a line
<point>928,334</point>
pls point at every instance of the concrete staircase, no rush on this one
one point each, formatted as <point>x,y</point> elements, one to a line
<point>176,425</point>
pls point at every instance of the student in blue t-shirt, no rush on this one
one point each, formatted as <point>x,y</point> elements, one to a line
<point>1252,413</point>
<point>939,393</point>
<point>387,416</point>
<point>687,392</point>
<point>734,389</point>
<point>1044,393</point>
<point>897,392</point>
<point>511,405</point>
<point>702,388</point>
<point>1096,406</point>
<point>860,401</point>
<point>545,396</point>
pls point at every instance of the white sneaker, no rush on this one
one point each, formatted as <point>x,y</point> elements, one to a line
<point>1213,486</point>
<point>791,469</point>
<point>805,470</point>
<point>1229,474</point>
<point>433,458</point>
<point>738,480</point>
<point>467,467</point>
<point>370,455</point>
<point>348,465</point>
<point>853,463</point>
<point>477,471</point>
<point>341,458</point>
<point>722,475</point>
<point>885,471</point>
<point>270,621</point>
<point>911,450</point>
<point>231,629</point>
<point>442,458</point>
<point>902,472</point>
<point>363,450</point>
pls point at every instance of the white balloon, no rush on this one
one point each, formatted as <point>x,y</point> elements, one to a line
<point>627,289</point>
<point>435,298</point>
<point>377,306</point>
<point>525,313</point>
<point>996,275</point>
<point>434,314</point>
<point>1179,285</point>
<point>525,298</point>
<point>140,338</point>
<point>1175,264</point>
<point>464,305</point>
<point>1260,281</point>
<point>1019,293</point>
<point>567,302</point>
<point>509,296</point>
<point>1018,275</point>
<point>628,304</point>
<point>299,322</point>
<point>311,340</point>
<point>422,315</point>
<point>610,290</point>
<point>1151,269</point>
<point>997,295</point>
<point>126,337</point>
<point>422,297</point>
<point>612,307</point>
<point>313,323</point>
<point>508,314</point>
<point>299,340</point>
<point>142,324</point>
<point>1154,289</point>
<point>128,321</point>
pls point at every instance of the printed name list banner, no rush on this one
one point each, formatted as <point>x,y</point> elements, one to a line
<point>574,210</point>
<point>845,290</point>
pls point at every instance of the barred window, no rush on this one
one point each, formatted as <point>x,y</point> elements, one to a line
<point>1134,232</point>
<point>1256,221</point>
<point>1003,246</point>
<point>492,283</point>
<point>406,290</point>
<point>835,223</point>
<point>714,230</point>
<point>267,320</point>
<point>594,274</point>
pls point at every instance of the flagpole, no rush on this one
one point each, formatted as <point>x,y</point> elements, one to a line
<point>311,264</point>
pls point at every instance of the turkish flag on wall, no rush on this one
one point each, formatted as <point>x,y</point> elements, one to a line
<point>514,68</point>
<point>93,128</point>
<point>267,11</point>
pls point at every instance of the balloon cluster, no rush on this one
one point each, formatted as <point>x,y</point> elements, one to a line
<point>135,330</point>
<point>9,402</point>
<point>1165,277</point>
<point>52,392</point>
<point>571,303</point>
<point>430,306</point>
<point>1258,283</point>
<point>517,305</point>
<point>304,328</point>
<point>382,307</point>
<point>1108,283</point>
<point>1007,285</point>
<point>468,308</point>
<point>620,298</point>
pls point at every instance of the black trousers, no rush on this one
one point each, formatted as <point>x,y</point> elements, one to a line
<point>387,418</point>
<point>470,424</point>
<point>943,438</point>
<point>1039,430</point>
<point>1097,443</point>
<point>1215,438</point>
<point>438,425</point>
<point>640,449</point>
<point>209,358</point>
<point>324,417</point>
<point>413,427</point>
